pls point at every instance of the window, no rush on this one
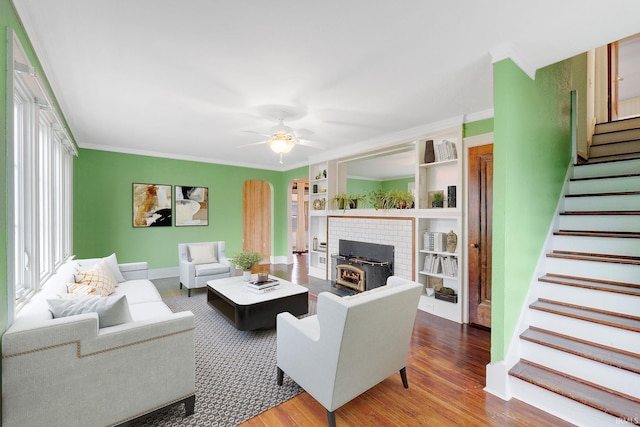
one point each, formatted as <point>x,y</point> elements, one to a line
<point>40,156</point>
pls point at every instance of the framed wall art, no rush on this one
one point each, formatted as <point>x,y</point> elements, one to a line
<point>152,205</point>
<point>191,205</point>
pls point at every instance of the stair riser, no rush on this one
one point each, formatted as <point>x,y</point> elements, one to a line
<point>619,148</point>
<point>589,370</point>
<point>607,169</point>
<point>604,185</point>
<point>600,222</point>
<point>617,125</point>
<point>626,273</point>
<point>594,332</point>
<point>600,203</point>
<point>601,245</point>
<point>613,137</point>
<point>591,298</point>
<point>560,406</point>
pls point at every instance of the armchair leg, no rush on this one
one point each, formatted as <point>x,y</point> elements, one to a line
<point>180,285</point>
<point>189,292</point>
<point>280,376</point>
<point>331,417</point>
<point>189,405</point>
<point>403,375</point>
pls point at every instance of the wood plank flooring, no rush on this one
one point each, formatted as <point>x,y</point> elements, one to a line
<point>446,373</point>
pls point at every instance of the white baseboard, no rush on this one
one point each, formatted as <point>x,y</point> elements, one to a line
<point>282,259</point>
<point>161,273</point>
<point>497,380</point>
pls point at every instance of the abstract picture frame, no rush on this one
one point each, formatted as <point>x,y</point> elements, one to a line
<point>151,205</point>
<point>191,206</point>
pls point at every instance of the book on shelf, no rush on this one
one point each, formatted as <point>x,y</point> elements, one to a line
<point>446,150</point>
<point>434,241</point>
<point>254,284</point>
<point>263,290</point>
<point>440,264</point>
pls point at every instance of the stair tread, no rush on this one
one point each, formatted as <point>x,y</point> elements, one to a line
<point>602,285</point>
<point>600,398</point>
<point>600,213</point>
<point>583,256</point>
<point>616,320</point>
<point>596,233</point>
<point>611,158</point>
<point>626,175</point>
<point>609,193</point>
<point>593,351</point>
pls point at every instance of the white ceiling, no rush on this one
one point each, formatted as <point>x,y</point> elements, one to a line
<point>185,79</point>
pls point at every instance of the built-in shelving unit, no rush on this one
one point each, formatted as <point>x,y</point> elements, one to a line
<point>438,170</point>
<point>321,177</point>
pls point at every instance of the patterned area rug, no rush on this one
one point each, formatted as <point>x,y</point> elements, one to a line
<point>235,371</point>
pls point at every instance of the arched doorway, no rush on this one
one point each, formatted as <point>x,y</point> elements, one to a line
<point>257,214</point>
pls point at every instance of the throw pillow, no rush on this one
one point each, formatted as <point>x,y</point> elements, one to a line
<point>80,289</point>
<point>203,254</point>
<point>99,277</point>
<point>111,310</point>
<point>112,263</point>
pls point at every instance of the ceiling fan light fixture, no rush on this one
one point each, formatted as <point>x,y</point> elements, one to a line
<point>281,143</point>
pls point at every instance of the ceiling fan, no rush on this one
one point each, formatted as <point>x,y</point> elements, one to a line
<point>283,138</point>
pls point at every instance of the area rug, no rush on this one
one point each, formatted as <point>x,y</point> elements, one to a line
<point>235,371</point>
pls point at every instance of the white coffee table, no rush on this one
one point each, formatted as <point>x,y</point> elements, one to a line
<point>247,310</point>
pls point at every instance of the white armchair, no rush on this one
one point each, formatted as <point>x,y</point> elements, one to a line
<point>352,344</point>
<point>201,262</point>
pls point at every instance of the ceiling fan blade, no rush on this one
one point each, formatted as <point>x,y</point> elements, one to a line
<point>257,133</point>
<point>313,144</point>
<point>252,144</point>
<point>302,133</point>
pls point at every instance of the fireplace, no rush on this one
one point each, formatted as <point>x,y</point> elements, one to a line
<point>360,266</point>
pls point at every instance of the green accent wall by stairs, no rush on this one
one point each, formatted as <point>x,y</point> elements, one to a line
<point>532,151</point>
<point>103,206</point>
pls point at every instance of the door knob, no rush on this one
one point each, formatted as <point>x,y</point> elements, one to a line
<point>473,245</point>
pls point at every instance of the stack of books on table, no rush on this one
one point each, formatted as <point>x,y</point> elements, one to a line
<point>262,287</point>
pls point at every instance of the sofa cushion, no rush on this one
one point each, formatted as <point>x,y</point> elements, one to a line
<point>138,291</point>
<point>98,276</point>
<point>203,254</point>
<point>111,310</point>
<point>112,263</point>
<point>149,310</point>
<point>210,269</point>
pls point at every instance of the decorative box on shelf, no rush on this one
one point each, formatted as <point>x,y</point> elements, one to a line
<point>453,298</point>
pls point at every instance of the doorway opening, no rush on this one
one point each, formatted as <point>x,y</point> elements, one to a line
<point>298,218</point>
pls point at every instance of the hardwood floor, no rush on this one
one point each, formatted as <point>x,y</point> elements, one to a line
<point>446,373</point>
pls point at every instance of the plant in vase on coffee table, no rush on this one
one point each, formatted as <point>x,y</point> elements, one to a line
<point>245,261</point>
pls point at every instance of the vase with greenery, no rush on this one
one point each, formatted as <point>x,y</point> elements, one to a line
<point>380,199</point>
<point>346,200</point>
<point>245,261</point>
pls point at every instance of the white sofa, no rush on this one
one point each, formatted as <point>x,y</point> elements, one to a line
<point>351,344</point>
<point>200,262</point>
<point>67,371</point>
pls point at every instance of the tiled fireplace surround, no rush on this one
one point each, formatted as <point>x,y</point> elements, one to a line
<point>396,231</point>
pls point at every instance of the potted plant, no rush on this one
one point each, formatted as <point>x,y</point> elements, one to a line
<point>401,199</point>
<point>343,200</point>
<point>245,261</point>
<point>437,201</point>
<point>380,199</point>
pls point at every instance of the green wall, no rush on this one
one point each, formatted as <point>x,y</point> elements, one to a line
<point>532,151</point>
<point>103,206</point>
<point>477,128</point>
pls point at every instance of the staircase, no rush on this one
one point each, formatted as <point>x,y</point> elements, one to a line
<point>618,140</point>
<point>580,356</point>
